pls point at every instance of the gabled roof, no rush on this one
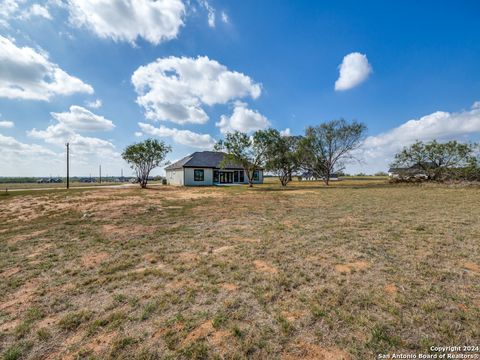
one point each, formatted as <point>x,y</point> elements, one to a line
<point>206,159</point>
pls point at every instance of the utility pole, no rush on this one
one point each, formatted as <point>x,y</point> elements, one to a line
<point>100,172</point>
<point>68,165</point>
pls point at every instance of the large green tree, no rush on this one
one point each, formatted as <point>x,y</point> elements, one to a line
<point>283,155</point>
<point>437,160</point>
<point>143,157</point>
<point>247,151</point>
<point>326,147</point>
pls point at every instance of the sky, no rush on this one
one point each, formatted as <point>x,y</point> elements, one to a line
<point>103,74</point>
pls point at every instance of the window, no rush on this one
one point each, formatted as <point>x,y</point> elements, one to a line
<point>242,176</point>
<point>256,175</point>
<point>198,175</point>
<point>215,176</point>
<point>235,176</point>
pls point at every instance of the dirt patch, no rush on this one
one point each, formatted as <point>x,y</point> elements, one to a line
<point>229,287</point>
<point>264,267</point>
<point>292,316</point>
<point>10,272</point>
<point>316,352</point>
<point>48,321</point>
<point>179,284</point>
<point>188,257</point>
<point>9,325</point>
<point>123,232</point>
<point>471,266</point>
<point>222,249</point>
<point>390,289</point>
<point>39,251</point>
<point>20,299</point>
<point>200,332</point>
<point>94,259</point>
<point>24,237</point>
<point>245,239</point>
<point>353,266</point>
<point>101,342</point>
<point>158,266</point>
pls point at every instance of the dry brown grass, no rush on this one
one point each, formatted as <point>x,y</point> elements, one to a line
<point>304,273</point>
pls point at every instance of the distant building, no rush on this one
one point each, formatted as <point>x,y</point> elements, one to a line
<point>412,172</point>
<point>204,168</point>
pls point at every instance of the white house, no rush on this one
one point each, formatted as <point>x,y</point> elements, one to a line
<point>204,168</point>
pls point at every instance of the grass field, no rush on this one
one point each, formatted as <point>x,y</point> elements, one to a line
<point>345,272</point>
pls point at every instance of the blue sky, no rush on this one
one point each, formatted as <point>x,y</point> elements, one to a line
<point>104,76</point>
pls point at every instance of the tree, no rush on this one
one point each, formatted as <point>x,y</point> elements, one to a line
<point>326,147</point>
<point>282,156</point>
<point>248,152</point>
<point>145,156</point>
<point>436,159</point>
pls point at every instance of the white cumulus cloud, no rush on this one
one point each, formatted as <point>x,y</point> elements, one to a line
<point>36,10</point>
<point>242,119</point>
<point>11,146</point>
<point>22,10</point>
<point>28,74</point>
<point>184,137</point>
<point>70,124</point>
<point>6,124</point>
<point>176,88</point>
<point>96,104</point>
<point>155,21</point>
<point>81,119</point>
<point>354,69</point>
<point>378,151</point>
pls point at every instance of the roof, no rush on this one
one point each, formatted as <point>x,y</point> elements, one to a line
<point>205,159</point>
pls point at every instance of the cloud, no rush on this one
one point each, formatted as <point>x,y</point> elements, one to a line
<point>81,119</point>
<point>94,104</point>
<point>128,20</point>
<point>11,146</point>
<point>175,89</point>
<point>138,133</point>
<point>210,11</point>
<point>242,119</point>
<point>184,137</point>
<point>19,9</point>
<point>354,69</point>
<point>225,17</point>
<point>378,151</point>
<point>6,124</point>
<point>36,10</point>
<point>286,132</point>
<point>28,74</point>
<point>67,129</point>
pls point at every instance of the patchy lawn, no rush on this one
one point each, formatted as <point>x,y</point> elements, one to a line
<point>307,273</point>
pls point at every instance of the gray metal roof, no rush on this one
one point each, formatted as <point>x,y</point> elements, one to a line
<point>207,159</point>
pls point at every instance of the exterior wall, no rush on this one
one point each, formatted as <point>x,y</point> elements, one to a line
<point>186,177</point>
<point>174,177</point>
<point>207,177</point>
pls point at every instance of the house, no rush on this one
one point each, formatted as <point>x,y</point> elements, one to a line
<point>204,168</point>
<point>412,172</point>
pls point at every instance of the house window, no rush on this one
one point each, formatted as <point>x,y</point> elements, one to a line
<point>198,175</point>
<point>215,176</point>
<point>242,176</point>
<point>256,175</point>
<point>235,176</point>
